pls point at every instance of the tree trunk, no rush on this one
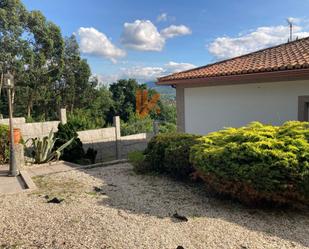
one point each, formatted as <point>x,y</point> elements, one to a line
<point>71,108</point>
<point>29,105</point>
<point>1,82</point>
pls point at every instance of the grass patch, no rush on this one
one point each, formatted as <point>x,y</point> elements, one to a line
<point>92,193</point>
<point>60,187</point>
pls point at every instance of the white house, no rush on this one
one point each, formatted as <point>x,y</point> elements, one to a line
<point>270,86</point>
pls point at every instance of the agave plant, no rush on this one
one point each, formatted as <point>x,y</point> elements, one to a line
<point>43,148</point>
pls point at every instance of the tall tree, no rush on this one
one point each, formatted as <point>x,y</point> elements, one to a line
<point>75,80</point>
<point>32,49</point>
<point>123,93</point>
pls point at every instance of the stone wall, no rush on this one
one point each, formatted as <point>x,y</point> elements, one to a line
<point>108,142</point>
<point>40,129</point>
<point>136,142</point>
<point>104,142</point>
<point>32,130</point>
<point>15,121</point>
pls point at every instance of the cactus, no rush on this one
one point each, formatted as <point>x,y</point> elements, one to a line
<point>43,148</point>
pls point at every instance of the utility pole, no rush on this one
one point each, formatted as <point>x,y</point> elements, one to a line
<point>291,29</point>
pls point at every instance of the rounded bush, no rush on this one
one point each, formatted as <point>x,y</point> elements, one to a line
<point>257,163</point>
<point>169,153</point>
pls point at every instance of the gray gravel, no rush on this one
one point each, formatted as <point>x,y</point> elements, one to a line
<point>134,211</point>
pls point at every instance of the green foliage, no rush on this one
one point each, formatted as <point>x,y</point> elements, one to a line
<point>123,94</point>
<point>99,102</point>
<point>43,148</point>
<point>136,124</point>
<point>136,158</point>
<point>4,144</point>
<point>166,127</point>
<point>167,112</point>
<point>169,153</point>
<point>81,120</point>
<point>257,163</point>
<point>74,152</point>
<point>92,113</point>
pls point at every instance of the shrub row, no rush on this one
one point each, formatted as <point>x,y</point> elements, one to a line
<point>254,164</point>
<point>257,163</point>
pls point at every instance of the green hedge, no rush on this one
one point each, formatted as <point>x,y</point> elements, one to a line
<point>169,153</point>
<point>4,144</point>
<point>257,163</point>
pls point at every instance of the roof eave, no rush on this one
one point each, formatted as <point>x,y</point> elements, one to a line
<point>272,76</point>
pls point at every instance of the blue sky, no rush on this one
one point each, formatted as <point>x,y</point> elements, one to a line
<point>148,39</point>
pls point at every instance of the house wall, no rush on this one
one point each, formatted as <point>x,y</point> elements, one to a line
<point>207,109</point>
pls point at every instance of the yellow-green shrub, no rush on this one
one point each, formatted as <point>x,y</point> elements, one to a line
<point>257,163</point>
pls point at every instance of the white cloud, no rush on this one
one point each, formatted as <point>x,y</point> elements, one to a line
<point>262,37</point>
<point>96,43</point>
<point>141,74</point>
<point>144,74</point>
<point>162,17</point>
<point>174,67</point>
<point>174,30</point>
<point>151,73</point>
<point>106,79</point>
<point>143,35</point>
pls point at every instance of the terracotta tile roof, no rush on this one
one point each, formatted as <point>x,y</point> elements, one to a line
<point>292,55</point>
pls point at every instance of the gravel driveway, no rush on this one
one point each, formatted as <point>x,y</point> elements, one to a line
<point>133,211</point>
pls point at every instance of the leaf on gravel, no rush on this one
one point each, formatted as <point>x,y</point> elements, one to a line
<point>97,189</point>
<point>180,247</point>
<point>180,217</point>
<point>55,200</point>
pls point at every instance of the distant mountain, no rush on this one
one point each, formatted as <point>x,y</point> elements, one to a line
<point>151,84</point>
<point>166,92</point>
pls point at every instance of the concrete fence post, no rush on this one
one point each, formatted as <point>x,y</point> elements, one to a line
<point>155,127</point>
<point>116,121</point>
<point>19,156</point>
<point>63,116</point>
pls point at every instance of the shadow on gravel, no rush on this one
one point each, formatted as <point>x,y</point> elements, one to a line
<point>162,197</point>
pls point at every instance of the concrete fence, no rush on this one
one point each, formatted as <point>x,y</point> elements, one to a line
<point>136,142</point>
<point>108,142</point>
